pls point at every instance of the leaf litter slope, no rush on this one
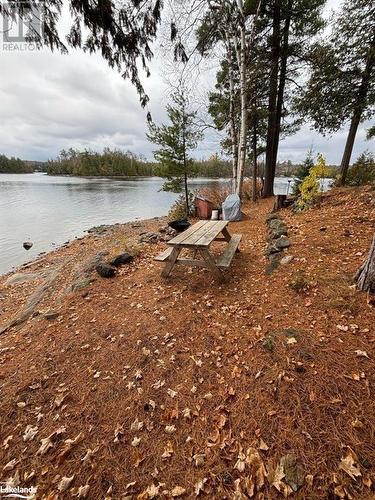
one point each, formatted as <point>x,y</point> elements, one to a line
<point>254,388</point>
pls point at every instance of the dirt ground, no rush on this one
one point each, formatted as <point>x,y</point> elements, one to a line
<point>261,387</point>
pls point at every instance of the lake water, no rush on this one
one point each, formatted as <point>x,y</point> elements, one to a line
<point>50,210</point>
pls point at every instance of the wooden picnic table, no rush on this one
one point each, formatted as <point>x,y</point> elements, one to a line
<point>198,239</point>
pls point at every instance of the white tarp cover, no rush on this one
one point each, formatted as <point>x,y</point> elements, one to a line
<point>232,207</point>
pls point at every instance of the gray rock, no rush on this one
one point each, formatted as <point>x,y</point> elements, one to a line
<point>105,270</point>
<point>149,237</point>
<point>286,260</point>
<point>51,315</point>
<point>27,245</point>
<point>272,249</point>
<point>120,260</point>
<point>24,278</point>
<point>272,216</point>
<point>282,242</point>
<point>78,284</point>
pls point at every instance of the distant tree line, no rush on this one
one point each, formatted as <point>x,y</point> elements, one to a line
<point>14,166</point>
<point>120,163</point>
<point>109,162</point>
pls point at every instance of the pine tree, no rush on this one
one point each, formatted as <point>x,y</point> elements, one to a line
<point>176,141</point>
<point>341,88</point>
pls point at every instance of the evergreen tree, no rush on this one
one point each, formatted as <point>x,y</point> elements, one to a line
<point>176,141</point>
<point>292,25</point>
<point>341,88</point>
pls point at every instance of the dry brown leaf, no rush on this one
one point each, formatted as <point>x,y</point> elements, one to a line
<point>168,451</point>
<point>169,429</point>
<point>178,491</point>
<point>262,445</point>
<point>83,491</point>
<point>361,354</point>
<point>257,469</point>
<point>199,486</point>
<point>88,456</point>
<point>48,442</point>
<point>276,480</point>
<point>136,425</point>
<point>152,491</point>
<point>357,424</point>
<point>135,441</point>
<point>10,465</point>
<point>6,442</point>
<point>349,464</point>
<point>199,459</point>
<point>68,445</point>
<point>30,433</point>
<point>240,463</point>
<point>59,400</point>
<point>65,483</point>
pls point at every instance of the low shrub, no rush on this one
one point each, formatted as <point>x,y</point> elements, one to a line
<point>310,189</point>
<point>178,209</point>
<point>362,171</point>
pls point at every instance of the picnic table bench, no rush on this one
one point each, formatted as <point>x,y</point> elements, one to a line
<point>198,238</point>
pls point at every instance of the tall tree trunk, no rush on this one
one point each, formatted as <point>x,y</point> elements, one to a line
<point>349,147</point>
<point>233,128</point>
<point>365,277</point>
<point>280,93</point>
<point>243,96</point>
<point>358,110</point>
<point>255,164</point>
<point>272,100</point>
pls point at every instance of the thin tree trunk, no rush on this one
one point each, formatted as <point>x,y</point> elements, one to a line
<point>272,101</point>
<point>365,277</point>
<point>280,93</point>
<point>233,131</point>
<point>185,163</point>
<point>255,164</point>
<point>358,111</point>
<point>244,126</point>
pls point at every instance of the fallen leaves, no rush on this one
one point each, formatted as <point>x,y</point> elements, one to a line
<point>177,491</point>
<point>65,483</point>
<point>48,442</point>
<point>170,429</point>
<point>288,476</point>
<point>135,441</point>
<point>68,446</point>
<point>30,433</point>
<point>168,451</point>
<point>349,464</point>
<point>362,354</point>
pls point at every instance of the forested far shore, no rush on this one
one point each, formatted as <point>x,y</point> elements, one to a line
<point>128,164</point>
<point>120,163</point>
<point>112,163</point>
<point>14,166</point>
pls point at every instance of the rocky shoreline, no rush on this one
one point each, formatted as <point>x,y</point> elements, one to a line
<point>39,286</point>
<point>95,231</point>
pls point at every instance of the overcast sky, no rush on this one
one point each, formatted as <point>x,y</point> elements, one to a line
<point>49,102</point>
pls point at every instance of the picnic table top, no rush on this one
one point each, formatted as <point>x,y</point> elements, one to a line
<point>200,234</point>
